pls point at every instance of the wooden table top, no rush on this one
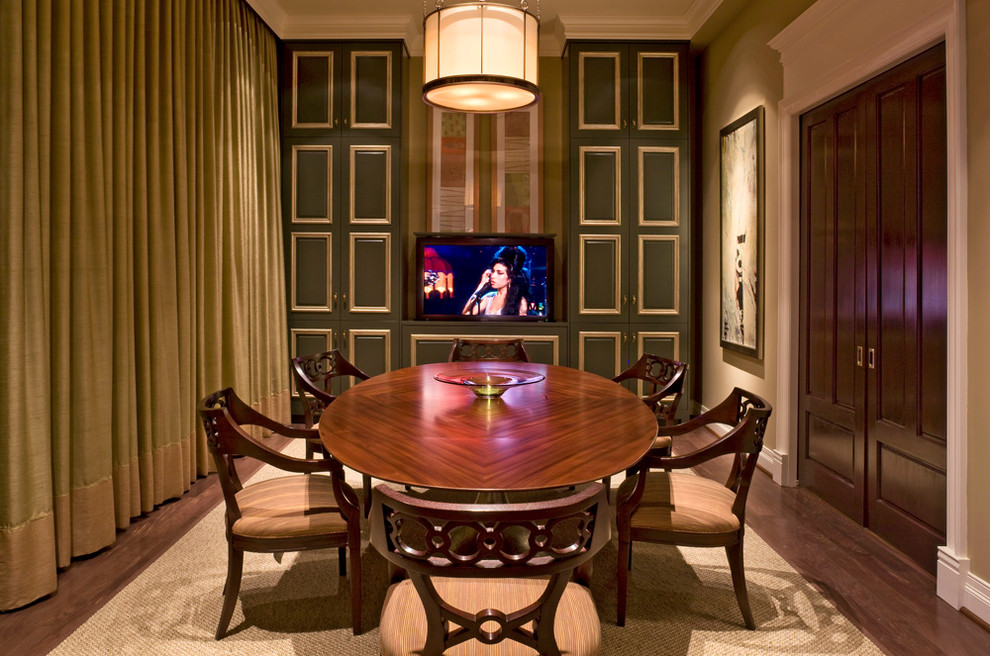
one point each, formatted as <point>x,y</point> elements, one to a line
<point>406,427</point>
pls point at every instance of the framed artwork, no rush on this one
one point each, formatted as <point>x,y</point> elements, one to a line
<point>517,195</point>
<point>453,193</point>
<point>741,252</point>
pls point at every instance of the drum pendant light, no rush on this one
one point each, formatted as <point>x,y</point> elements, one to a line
<point>480,57</point>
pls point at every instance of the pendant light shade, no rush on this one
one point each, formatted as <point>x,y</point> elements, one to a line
<point>480,57</point>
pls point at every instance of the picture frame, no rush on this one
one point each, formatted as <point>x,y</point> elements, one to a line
<point>741,182</point>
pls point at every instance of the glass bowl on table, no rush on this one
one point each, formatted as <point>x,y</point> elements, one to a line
<point>489,383</point>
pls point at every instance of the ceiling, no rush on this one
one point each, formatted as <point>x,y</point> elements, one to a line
<point>560,20</point>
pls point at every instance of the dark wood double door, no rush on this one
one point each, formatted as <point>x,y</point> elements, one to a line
<point>872,411</point>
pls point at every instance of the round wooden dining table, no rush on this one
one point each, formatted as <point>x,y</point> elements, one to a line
<point>406,427</point>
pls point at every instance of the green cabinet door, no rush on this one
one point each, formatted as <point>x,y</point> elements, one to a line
<point>629,88</point>
<point>341,89</point>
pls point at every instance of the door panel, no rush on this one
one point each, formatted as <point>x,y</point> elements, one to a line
<point>906,473</point>
<point>658,281</point>
<point>370,273</point>
<point>370,89</point>
<point>933,227</point>
<point>600,90</point>
<point>600,274</point>
<point>657,91</point>
<point>600,351</point>
<point>600,185</point>
<point>833,448</point>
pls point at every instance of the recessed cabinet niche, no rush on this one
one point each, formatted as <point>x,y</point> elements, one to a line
<point>630,233</point>
<point>341,177</point>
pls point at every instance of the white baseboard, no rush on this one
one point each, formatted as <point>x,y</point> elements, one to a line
<point>961,589</point>
<point>772,462</point>
<point>976,598</point>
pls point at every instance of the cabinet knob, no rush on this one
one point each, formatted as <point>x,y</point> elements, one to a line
<point>871,359</point>
<point>335,121</point>
<point>344,299</point>
<point>859,356</point>
<point>634,299</point>
<point>634,123</point>
<point>623,124</point>
<point>625,299</point>
<point>345,122</point>
<point>334,304</point>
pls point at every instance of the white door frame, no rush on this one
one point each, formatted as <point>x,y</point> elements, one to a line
<point>813,44</point>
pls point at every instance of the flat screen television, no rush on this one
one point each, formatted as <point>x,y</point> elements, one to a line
<point>489,277</point>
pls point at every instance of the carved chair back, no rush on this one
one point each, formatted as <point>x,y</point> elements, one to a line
<point>511,540</point>
<point>665,383</point>
<point>506,350</point>
<point>314,376</point>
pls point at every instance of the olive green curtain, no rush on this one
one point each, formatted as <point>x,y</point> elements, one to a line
<point>141,260</point>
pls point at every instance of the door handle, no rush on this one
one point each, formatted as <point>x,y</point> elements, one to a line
<point>859,356</point>
<point>872,359</point>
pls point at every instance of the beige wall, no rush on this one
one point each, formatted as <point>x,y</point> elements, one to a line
<point>737,72</point>
<point>978,144</point>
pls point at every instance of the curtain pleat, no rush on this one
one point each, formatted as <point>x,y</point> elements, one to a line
<point>142,247</point>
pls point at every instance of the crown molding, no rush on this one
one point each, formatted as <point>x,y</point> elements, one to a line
<point>354,27</point>
<point>271,12</point>
<point>624,27</point>
<point>699,12</point>
<point>322,26</point>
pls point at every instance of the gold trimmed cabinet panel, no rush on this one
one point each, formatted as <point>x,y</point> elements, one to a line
<point>425,342</point>
<point>630,230</point>
<point>340,137</point>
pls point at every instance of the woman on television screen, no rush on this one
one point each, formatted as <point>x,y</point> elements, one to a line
<point>504,287</point>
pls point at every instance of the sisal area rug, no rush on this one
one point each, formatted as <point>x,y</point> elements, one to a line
<point>680,602</point>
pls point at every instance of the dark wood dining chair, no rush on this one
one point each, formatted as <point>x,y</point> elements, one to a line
<point>311,508</point>
<point>664,379</point>
<point>498,574</point>
<point>314,375</point>
<point>468,349</point>
<point>683,508</point>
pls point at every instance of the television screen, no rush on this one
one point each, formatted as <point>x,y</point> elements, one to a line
<point>484,277</point>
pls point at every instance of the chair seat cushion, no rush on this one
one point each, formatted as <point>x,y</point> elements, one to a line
<point>682,503</point>
<point>661,443</point>
<point>403,622</point>
<point>289,506</point>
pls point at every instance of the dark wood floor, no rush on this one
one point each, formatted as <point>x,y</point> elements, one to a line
<point>888,598</point>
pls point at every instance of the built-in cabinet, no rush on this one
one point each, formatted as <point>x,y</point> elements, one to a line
<point>629,286</point>
<point>341,192</point>
<point>628,234</point>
